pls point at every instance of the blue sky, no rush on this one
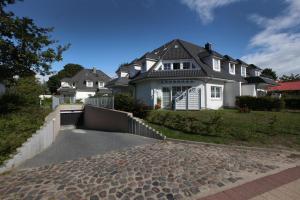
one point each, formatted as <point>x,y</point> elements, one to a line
<point>105,33</point>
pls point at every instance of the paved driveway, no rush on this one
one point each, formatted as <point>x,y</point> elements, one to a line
<point>76,143</point>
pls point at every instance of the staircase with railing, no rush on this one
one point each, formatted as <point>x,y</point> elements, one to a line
<point>189,100</point>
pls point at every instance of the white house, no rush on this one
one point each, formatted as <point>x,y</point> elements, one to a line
<point>181,75</point>
<point>84,84</point>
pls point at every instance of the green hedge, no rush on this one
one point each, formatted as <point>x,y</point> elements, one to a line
<point>292,103</point>
<point>260,103</point>
<point>126,102</point>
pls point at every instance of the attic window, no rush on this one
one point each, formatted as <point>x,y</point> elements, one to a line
<point>89,83</point>
<point>176,46</point>
<point>216,64</point>
<point>165,49</point>
<point>156,52</point>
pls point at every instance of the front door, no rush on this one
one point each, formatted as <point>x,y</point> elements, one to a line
<point>166,101</point>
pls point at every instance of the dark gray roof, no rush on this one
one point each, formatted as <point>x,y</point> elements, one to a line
<point>241,62</point>
<point>124,68</point>
<point>230,59</point>
<point>254,67</point>
<point>260,79</point>
<point>179,49</point>
<point>120,81</point>
<point>189,73</point>
<point>87,75</point>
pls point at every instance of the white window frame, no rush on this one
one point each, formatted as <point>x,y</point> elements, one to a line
<point>216,64</point>
<point>232,68</point>
<point>213,92</point>
<point>89,84</point>
<point>101,84</point>
<point>243,71</point>
<point>257,73</point>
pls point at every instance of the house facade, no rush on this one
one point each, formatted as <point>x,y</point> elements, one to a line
<point>84,84</point>
<point>184,76</point>
<point>120,84</point>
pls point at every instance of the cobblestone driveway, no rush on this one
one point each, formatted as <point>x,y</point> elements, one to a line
<point>164,170</point>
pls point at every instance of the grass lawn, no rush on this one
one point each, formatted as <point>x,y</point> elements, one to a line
<point>257,128</point>
<point>17,127</point>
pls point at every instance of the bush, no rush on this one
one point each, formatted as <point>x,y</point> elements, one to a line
<point>260,103</point>
<point>10,102</point>
<point>292,103</point>
<point>126,103</point>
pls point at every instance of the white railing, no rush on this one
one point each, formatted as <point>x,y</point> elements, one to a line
<point>102,102</point>
<point>189,100</point>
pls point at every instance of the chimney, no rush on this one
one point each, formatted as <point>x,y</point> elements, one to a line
<point>94,70</point>
<point>208,46</point>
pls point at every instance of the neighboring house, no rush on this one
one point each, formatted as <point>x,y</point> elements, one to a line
<point>84,84</point>
<point>290,88</point>
<point>2,88</point>
<point>120,84</point>
<point>182,75</point>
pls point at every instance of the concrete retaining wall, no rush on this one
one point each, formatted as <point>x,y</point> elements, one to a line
<point>39,141</point>
<point>103,119</point>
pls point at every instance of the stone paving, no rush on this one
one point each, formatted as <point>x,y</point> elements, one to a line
<point>164,170</point>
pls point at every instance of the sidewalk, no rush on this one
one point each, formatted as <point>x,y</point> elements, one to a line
<point>284,185</point>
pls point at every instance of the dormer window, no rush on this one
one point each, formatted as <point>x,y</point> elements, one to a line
<point>176,66</point>
<point>257,73</point>
<point>89,83</point>
<point>186,65</point>
<point>167,66</point>
<point>243,71</point>
<point>216,64</point>
<point>232,68</point>
<point>100,84</point>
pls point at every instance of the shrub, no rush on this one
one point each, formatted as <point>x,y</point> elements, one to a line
<point>126,103</point>
<point>292,103</point>
<point>260,103</point>
<point>10,102</point>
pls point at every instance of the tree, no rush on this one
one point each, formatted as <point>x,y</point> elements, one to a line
<point>268,72</point>
<point>25,48</point>
<point>292,77</point>
<point>69,70</point>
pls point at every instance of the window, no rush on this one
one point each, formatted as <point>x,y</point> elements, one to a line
<point>243,71</point>
<point>89,84</point>
<point>257,73</point>
<point>231,68</point>
<point>176,66</point>
<point>167,66</point>
<point>100,84</point>
<point>186,65</point>
<point>215,92</point>
<point>216,64</point>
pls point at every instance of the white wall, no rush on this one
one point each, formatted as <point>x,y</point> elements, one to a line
<point>211,102</point>
<point>83,95</point>
<point>231,91</point>
<point>149,64</point>
<point>143,92</point>
<point>248,90</point>
<point>39,141</point>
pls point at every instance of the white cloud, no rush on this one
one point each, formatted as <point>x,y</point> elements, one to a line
<point>205,8</point>
<point>278,44</point>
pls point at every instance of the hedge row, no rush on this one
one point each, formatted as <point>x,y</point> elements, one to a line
<point>260,103</point>
<point>292,103</point>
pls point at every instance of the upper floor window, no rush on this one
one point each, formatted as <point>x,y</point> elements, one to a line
<point>89,83</point>
<point>243,71</point>
<point>186,65</point>
<point>100,84</point>
<point>216,64</point>
<point>231,68</point>
<point>176,66</point>
<point>215,92</point>
<point>167,66</point>
<point>257,73</point>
